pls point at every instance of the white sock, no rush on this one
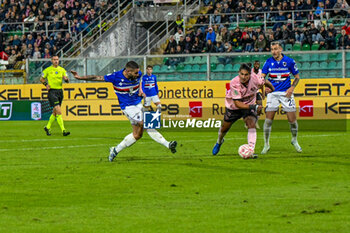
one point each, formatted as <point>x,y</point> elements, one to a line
<point>267,131</point>
<point>127,141</point>
<point>294,130</point>
<point>156,136</point>
<point>159,107</point>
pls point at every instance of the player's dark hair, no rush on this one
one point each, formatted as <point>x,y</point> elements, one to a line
<point>149,66</point>
<point>276,42</point>
<point>246,67</point>
<point>132,65</point>
<point>256,61</point>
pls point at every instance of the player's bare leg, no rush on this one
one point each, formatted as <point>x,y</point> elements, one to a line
<point>267,130</point>
<point>225,127</point>
<point>292,118</point>
<point>258,102</point>
<point>137,132</point>
<point>251,124</point>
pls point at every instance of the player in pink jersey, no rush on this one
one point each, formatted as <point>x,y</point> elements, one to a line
<point>256,71</point>
<point>240,102</point>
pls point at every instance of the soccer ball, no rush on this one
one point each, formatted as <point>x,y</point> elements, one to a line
<point>245,151</point>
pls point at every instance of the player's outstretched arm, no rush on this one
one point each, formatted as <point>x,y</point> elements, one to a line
<point>87,77</point>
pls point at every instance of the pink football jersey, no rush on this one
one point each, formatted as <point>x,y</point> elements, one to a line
<point>238,91</point>
<point>256,74</point>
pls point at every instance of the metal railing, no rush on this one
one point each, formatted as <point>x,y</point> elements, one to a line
<point>99,26</point>
<point>210,66</point>
<point>29,27</point>
<point>88,36</point>
<point>159,32</point>
<point>266,19</point>
<point>13,77</point>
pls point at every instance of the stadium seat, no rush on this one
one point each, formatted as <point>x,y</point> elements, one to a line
<point>246,58</point>
<point>315,47</point>
<point>305,66</point>
<point>314,74</point>
<point>323,65</point>
<point>175,77</point>
<point>188,60</point>
<point>164,69</point>
<point>339,57</point>
<point>197,60</point>
<point>347,65</point>
<point>237,66</point>
<point>195,68</point>
<point>347,55</point>
<point>332,56</point>
<point>332,65</point>
<point>305,57</point>
<point>296,47</point>
<point>288,47</point>
<point>315,66</point>
<point>298,64</point>
<point>323,57</point>
<point>165,60</point>
<point>212,66</point>
<point>255,58</point>
<point>156,69</point>
<point>162,77</point>
<point>202,76</point>
<point>306,47</point>
<point>179,67</point>
<point>339,65</point>
<point>214,59</point>
<point>228,68</point>
<point>187,68</point>
<point>219,68</point>
<point>314,57</point>
<point>203,68</point>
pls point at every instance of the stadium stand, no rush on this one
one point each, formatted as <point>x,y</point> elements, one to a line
<point>33,29</point>
<point>39,29</point>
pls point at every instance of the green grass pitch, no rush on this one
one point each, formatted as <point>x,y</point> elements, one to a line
<point>66,184</point>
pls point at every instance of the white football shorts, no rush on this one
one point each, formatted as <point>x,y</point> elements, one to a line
<point>275,99</point>
<point>134,113</point>
<point>154,99</point>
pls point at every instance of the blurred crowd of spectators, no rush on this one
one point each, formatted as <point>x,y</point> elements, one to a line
<point>49,25</point>
<point>211,32</point>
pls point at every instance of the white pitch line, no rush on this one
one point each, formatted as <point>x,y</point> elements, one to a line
<point>48,139</point>
<point>53,147</point>
<point>70,139</point>
<point>144,142</point>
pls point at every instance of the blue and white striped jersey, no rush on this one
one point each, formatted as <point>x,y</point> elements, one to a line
<point>149,85</point>
<point>279,72</point>
<point>126,90</point>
